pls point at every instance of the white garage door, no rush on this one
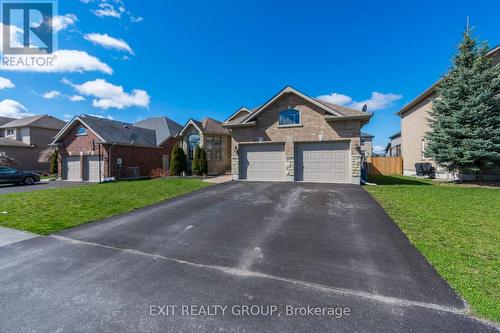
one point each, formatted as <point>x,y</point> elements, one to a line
<point>92,168</point>
<point>71,168</point>
<point>323,162</point>
<point>262,162</point>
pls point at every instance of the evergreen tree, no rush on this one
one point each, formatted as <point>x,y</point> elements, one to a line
<point>54,159</point>
<point>203,162</point>
<point>465,116</point>
<point>177,161</point>
<point>200,166</point>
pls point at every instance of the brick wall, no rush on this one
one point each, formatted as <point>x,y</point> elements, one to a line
<point>79,145</point>
<point>313,127</point>
<point>148,159</point>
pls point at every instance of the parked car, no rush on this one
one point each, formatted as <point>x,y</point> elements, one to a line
<point>13,176</point>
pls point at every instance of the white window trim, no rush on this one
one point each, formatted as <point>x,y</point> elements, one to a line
<point>290,125</point>
<point>81,134</point>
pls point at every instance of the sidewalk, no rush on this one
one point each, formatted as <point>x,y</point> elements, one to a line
<point>10,236</point>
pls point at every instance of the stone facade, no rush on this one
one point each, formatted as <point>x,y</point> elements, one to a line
<point>313,128</point>
<point>214,166</point>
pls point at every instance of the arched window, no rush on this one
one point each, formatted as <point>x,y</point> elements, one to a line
<point>193,142</point>
<point>81,131</point>
<point>289,117</point>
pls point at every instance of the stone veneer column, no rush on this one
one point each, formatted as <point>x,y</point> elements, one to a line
<point>235,162</point>
<point>356,169</point>
<point>289,160</point>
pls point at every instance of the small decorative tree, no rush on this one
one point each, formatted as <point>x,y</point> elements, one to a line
<point>54,161</point>
<point>6,160</point>
<point>200,166</point>
<point>177,161</point>
<point>203,162</point>
<point>465,117</point>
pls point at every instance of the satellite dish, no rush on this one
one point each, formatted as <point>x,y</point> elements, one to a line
<point>365,108</point>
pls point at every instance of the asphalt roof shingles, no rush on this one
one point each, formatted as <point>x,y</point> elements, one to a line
<point>112,131</point>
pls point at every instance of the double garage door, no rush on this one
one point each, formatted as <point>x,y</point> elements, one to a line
<point>72,168</point>
<point>324,162</point>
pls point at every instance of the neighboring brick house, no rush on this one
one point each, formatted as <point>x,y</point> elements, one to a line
<point>394,146</point>
<point>211,136</point>
<point>366,143</point>
<point>414,125</point>
<point>24,139</point>
<point>293,137</point>
<point>92,148</point>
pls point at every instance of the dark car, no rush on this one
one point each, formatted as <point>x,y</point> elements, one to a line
<point>13,176</point>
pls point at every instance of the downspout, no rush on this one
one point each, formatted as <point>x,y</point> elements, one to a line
<point>109,159</point>
<point>99,158</point>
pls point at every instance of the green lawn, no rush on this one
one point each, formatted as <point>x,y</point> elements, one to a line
<point>456,227</point>
<point>47,211</point>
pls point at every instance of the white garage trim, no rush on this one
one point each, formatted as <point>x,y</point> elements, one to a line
<point>262,162</point>
<point>323,162</point>
<point>91,168</point>
<point>71,168</point>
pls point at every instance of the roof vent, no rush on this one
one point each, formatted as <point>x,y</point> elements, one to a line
<point>133,137</point>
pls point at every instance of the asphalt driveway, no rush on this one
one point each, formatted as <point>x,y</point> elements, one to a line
<point>264,244</point>
<point>43,185</point>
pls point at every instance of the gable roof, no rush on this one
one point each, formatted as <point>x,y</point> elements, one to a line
<point>206,126</point>
<point>41,121</point>
<point>164,127</point>
<point>395,135</point>
<point>332,111</point>
<point>366,135</point>
<point>212,126</point>
<point>112,131</point>
<point>198,125</point>
<point>493,53</point>
<point>243,111</point>
<point>5,120</point>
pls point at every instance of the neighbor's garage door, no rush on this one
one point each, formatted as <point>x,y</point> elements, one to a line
<point>262,162</point>
<point>71,168</point>
<point>92,168</point>
<point>323,162</point>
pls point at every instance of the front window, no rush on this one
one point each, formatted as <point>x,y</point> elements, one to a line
<point>81,131</point>
<point>289,117</point>
<point>213,146</point>
<point>193,142</point>
<point>10,132</point>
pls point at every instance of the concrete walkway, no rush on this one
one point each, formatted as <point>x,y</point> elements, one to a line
<point>219,179</point>
<point>10,236</point>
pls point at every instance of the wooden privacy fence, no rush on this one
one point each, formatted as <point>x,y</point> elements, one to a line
<point>385,165</point>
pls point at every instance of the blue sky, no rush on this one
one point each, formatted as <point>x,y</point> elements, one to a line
<point>190,59</point>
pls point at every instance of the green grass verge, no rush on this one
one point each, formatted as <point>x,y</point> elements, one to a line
<point>457,228</point>
<point>48,211</point>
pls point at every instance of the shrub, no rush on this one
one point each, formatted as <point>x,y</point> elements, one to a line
<point>177,161</point>
<point>54,159</point>
<point>200,166</point>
